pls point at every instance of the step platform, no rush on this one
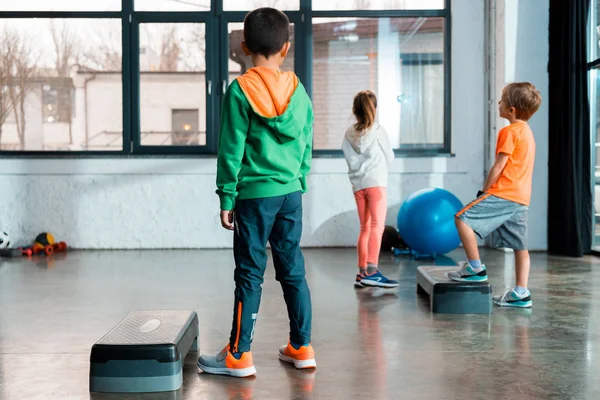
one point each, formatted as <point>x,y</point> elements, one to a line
<point>449,297</point>
<point>11,253</point>
<point>144,353</point>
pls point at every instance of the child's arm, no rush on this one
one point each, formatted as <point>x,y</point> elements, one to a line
<point>347,150</point>
<point>306,162</point>
<point>507,141</point>
<point>496,171</point>
<point>232,140</point>
<point>384,142</point>
<point>307,156</point>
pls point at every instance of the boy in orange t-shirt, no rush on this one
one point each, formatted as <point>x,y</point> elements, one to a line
<point>502,206</point>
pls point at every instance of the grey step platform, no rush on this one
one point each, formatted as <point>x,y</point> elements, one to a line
<point>11,253</point>
<point>144,353</point>
<point>450,297</point>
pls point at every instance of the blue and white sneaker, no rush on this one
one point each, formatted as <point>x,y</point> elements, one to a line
<point>358,281</point>
<point>376,279</point>
<point>467,273</point>
<point>510,298</point>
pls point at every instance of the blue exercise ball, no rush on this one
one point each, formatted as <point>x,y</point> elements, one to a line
<point>426,221</point>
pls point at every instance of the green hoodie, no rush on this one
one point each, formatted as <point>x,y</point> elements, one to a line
<point>262,156</point>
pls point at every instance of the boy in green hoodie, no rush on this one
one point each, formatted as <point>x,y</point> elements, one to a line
<point>265,148</point>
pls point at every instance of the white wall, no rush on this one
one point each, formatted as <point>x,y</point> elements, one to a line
<point>165,203</point>
<point>522,55</point>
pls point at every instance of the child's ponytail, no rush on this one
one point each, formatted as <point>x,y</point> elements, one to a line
<point>365,109</point>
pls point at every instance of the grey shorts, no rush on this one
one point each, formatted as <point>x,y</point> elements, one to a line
<point>506,219</point>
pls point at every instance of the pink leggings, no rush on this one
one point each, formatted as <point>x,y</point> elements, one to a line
<point>372,208</point>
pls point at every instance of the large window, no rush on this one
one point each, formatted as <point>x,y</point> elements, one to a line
<point>60,5</point>
<point>148,76</point>
<point>61,84</point>
<point>400,59</point>
<point>357,5</point>
<point>172,5</point>
<point>594,87</point>
<point>172,76</point>
<point>241,5</point>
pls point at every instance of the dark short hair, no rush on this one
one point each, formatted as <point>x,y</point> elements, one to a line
<point>266,31</point>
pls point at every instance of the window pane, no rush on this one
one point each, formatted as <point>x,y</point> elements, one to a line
<point>322,5</point>
<point>60,5</point>
<point>240,62</point>
<point>595,125</point>
<point>172,84</point>
<point>60,84</point>
<point>400,59</point>
<point>242,5</point>
<point>172,5</point>
<point>595,30</point>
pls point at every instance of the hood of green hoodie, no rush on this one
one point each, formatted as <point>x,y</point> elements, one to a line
<point>293,121</point>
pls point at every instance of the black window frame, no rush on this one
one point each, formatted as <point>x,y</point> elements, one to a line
<point>216,20</point>
<point>593,66</point>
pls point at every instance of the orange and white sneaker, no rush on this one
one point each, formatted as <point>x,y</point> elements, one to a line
<point>302,358</point>
<point>225,363</point>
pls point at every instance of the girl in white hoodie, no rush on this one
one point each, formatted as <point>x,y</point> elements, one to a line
<point>368,152</point>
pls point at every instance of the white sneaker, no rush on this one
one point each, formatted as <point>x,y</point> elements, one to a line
<point>511,298</point>
<point>467,273</point>
<point>224,363</point>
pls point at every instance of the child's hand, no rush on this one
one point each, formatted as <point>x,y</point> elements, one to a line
<point>227,219</point>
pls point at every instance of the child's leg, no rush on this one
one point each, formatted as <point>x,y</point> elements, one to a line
<point>365,229</point>
<point>522,263</point>
<point>289,268</point>
<point>468,239</point>
<point>519,296</point>
<point>377,206</point>
<point>483,215</point>
<point>253,223</point>
<point>513,234</point>
<point>480,217</point>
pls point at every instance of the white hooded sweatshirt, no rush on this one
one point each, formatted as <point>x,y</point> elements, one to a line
<point>367,157</point>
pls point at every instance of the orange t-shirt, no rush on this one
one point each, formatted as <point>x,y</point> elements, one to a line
<point>514,183</point>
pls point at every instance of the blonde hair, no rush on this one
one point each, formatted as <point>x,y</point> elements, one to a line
<point>365,110</point>
<point>524,97</point>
